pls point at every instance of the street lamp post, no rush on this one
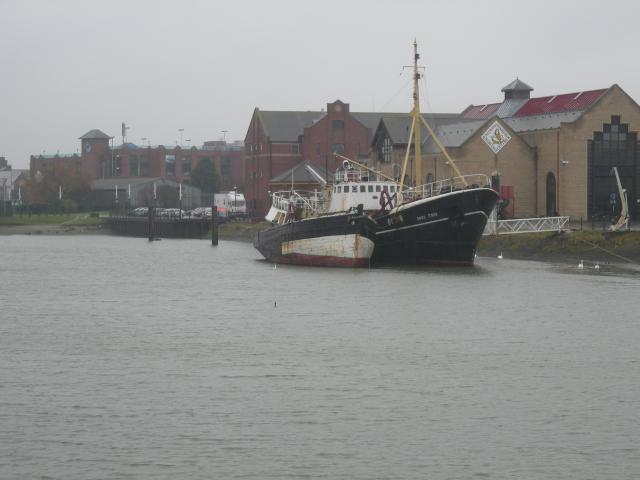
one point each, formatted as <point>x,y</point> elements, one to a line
<point>235,200</point>
<point>112,156</point>
<point>181,130</point>
<point>4,203</point>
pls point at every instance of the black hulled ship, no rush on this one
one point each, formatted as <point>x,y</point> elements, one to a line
<point>440,222</point>
<point>305,232</point>
<point>371,219</point>
<point>442,229</point>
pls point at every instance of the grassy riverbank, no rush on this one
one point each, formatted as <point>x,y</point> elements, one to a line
<point>241,231</point>
<point>51,219</point>
<point>51,224</point>
<point>85,223</point>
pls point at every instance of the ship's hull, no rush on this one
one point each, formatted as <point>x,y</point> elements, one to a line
<point>444,229</point>
<point>340,240</point>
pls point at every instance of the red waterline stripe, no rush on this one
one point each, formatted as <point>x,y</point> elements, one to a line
<point>321,260</point>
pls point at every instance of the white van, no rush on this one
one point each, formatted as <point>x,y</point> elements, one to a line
<point>232,202</point>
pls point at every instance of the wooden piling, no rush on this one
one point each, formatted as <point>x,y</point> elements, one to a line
<point>214,225</point>
<point>150,228</point>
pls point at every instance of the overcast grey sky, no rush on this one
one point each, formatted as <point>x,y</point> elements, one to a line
<point>69,66</point>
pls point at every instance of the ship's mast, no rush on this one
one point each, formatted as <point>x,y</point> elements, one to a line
<point>415,134</point>
<point>416,129</point>
<point>415,116</point>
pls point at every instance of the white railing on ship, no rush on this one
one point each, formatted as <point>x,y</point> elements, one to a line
<point>351,175</point>
<point>447,185</point>
<point>307,200</point>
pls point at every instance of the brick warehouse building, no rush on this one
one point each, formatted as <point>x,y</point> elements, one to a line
<point>98,160</point>
<point>547,155</point>
<point>276,141</point>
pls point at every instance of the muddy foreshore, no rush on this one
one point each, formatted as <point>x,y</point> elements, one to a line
<point>564,247</point>
<point>569,246</point>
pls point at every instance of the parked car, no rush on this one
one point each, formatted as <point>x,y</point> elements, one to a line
<point>173,213</point>
<point>139,212</point>
<point>198,212</point>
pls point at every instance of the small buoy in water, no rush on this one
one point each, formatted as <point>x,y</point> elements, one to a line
<point>581,265</point>
<point>500,256</point>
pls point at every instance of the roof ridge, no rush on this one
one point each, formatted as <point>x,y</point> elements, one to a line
<point>581,92</point>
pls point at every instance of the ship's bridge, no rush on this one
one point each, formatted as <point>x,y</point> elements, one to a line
<point>354,186</point>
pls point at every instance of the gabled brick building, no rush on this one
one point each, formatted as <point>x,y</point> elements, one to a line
<point>276,141</point>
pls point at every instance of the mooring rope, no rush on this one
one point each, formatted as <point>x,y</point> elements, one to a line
<point>608,251</point>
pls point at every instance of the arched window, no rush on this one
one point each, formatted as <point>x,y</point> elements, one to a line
<point>551,195</point>
<point>386,150</point>
<point>615,146</point>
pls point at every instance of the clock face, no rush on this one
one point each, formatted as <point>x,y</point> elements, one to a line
<point>87,147</point>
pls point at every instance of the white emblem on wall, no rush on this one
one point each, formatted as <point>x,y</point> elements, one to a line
<point>496,137</point>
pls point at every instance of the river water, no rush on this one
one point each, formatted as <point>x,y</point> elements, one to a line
<point>121,358</point>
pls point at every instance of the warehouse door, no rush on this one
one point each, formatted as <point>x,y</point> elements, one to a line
<point>551,195</point>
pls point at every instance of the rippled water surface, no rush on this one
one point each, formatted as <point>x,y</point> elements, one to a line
<point>121,358</point>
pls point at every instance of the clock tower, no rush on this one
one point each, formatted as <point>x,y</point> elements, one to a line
<point>96,155</point>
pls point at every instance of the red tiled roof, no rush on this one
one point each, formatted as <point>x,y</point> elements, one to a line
<point>481,111</point>
<point>560,103</point>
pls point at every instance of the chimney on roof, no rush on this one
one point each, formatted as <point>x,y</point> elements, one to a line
<point>517,90</point>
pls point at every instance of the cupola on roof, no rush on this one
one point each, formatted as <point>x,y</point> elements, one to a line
<point>517,85</point>
<point>517,90</point>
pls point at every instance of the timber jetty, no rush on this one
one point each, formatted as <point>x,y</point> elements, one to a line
<point>152,226</point>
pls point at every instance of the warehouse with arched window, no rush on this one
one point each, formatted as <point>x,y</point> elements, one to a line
<point>547,155</point>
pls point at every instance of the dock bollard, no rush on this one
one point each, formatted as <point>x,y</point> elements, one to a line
<point>214,225</point>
